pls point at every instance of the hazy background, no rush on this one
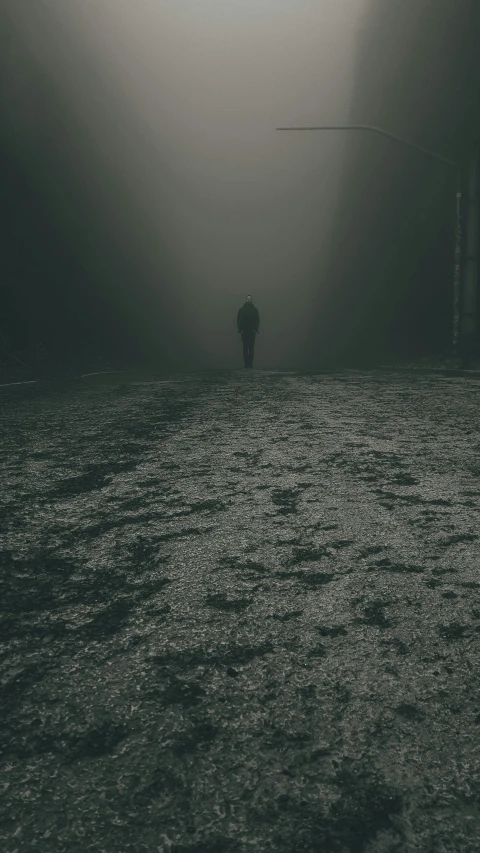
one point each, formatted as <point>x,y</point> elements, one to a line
<point>386,277</point>
<point>145,190</point>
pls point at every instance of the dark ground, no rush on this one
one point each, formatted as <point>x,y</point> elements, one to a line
<point>241,612</point>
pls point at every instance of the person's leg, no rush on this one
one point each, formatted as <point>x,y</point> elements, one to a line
<point>251,349</point>
<point>245,348</point>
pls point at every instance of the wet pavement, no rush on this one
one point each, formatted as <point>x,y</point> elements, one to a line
<point>240,611</point>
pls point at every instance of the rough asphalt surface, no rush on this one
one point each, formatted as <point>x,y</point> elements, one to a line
<point>241,612</point>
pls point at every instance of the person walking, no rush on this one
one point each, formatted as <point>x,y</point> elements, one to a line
<point>248,321</point>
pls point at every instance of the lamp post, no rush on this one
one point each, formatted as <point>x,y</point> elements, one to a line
<point>458,223</point>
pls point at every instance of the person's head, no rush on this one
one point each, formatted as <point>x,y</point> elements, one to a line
<point>249,298</point>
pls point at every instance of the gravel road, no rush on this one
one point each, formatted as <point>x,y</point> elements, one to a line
<point>240,611</point>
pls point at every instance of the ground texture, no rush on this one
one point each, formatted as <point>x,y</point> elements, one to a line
<point>240,612</point>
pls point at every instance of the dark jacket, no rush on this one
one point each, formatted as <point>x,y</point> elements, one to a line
<point>248,318</point>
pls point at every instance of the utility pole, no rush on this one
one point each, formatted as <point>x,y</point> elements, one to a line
<point>457,270</point>
<point>457,308</point>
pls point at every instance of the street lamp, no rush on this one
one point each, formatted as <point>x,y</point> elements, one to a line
<point>458,224</point>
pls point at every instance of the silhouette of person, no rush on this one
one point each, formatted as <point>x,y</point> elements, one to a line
<point>248,321</point>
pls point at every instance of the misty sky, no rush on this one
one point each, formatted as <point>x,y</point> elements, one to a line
<point>176,105</point>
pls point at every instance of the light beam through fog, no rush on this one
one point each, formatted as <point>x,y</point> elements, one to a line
<point>237,209</point>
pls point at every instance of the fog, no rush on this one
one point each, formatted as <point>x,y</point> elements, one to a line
<point>390,260</point>
<point>146,190</point>
<point>144,132</point>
